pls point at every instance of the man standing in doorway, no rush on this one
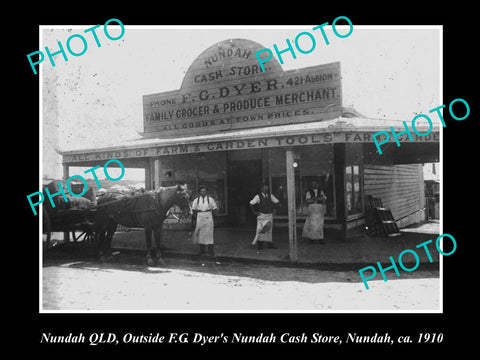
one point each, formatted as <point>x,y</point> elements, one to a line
<point>204,207</point>
<point>262,206</point>
<point>313,228</point>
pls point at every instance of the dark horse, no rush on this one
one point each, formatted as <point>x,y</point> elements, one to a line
<point>146,210</point>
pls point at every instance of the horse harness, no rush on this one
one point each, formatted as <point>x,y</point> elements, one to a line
<point>130,204</point>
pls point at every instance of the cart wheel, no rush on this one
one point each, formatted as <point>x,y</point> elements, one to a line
<point>46,228</point>
<point>84,236</point>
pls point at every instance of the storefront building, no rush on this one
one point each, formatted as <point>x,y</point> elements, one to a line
<point>232,127</point>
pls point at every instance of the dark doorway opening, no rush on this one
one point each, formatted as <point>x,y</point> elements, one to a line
<point>244,181</point>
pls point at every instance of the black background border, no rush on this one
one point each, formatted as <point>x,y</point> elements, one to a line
<point>459,180</point>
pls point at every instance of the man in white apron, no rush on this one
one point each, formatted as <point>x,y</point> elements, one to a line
<point>203,208</point>
<point>313,228</point>
<point>262,206</point>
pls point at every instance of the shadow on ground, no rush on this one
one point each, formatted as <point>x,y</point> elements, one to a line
<point>83,257</point>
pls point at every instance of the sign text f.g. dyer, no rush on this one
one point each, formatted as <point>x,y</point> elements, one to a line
<point>226,83</point>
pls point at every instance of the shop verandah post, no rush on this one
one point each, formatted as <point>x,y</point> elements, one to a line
<point>66,175</point>
<point>292,215</point>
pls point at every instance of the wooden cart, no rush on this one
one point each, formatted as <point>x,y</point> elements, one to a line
<point>79,223</point>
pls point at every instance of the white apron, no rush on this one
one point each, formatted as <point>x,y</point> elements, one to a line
<point>264,228</point>
<point>313,228</point>
<point>204,230</point>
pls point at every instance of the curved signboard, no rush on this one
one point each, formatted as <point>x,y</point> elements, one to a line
<point>225,89</point>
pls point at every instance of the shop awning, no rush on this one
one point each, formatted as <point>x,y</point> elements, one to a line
<point>343,129</point>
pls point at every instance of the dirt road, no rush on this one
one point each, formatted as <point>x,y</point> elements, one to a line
<point>194,285</point>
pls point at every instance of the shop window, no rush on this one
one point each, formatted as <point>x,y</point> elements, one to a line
<point>353,179</point>
<point>353,194</point>
<point>248,154</point>
<point>315,164</point>
<point>185,167</point>
<point>211,172</point>
<point>279,189</point>
<point>207,169</point>
<point>167,175</point>
<point>276,162</point>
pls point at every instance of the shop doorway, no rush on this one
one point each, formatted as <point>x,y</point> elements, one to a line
<point>244,180</point>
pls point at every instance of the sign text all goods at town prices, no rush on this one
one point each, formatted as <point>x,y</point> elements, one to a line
<point>225,84</point>
<point>227,145</point>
